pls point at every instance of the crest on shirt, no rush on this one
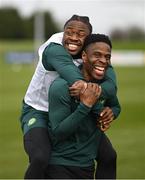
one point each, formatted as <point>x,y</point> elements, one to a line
<point>31,121</point>
<point>102,101</point>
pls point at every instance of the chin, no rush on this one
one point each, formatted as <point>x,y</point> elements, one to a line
<point>73,53</point>
<point>99,77</point>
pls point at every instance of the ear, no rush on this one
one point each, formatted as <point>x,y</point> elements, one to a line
<point>84,56</point>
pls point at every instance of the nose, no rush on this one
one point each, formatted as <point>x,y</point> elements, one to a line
<point>74,37</point>
<point>103,60</point>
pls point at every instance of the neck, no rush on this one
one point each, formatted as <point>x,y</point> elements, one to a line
<point>86,75</point>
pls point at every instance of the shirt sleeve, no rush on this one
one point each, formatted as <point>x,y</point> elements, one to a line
<point>56,58</point>
<point>64,122</point>
<point>109,85</point>
<point>114,104</point>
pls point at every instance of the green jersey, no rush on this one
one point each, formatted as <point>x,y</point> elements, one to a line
<point>72,125</point>
<point>75,136</point>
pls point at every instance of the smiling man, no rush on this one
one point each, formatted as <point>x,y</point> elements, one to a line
<point>96,58</point>
<point>74,134</point>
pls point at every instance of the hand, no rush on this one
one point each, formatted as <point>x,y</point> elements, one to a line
<point>105,119</point>
<point>103,127</point>
<point>77,87</point>
<point>90,96</point>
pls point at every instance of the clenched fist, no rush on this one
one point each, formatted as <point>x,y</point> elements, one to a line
<point>90,95</point>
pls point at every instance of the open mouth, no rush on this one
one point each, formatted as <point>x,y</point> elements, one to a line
<point>72,47</point>
<point>99,70</point>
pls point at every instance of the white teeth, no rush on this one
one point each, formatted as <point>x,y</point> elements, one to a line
<point>100,68</point>
<point>72,46</point>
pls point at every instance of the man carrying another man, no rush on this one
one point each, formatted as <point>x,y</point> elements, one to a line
<point>54,57</point>
<point>73,120</point>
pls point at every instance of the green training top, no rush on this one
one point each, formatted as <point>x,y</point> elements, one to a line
<point>75,137</point>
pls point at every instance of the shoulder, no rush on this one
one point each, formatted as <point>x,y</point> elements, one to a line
<point>56,38</point>
<point>59,92</point>
<point>59,87</point>
<point>110,69</point>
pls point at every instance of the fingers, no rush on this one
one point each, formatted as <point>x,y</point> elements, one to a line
<point>106,121</point>
<point>106,118</point>
<point>104,127</point>
<point>84,87</point>
<point>106,111</point>
<point>107,114</point>
<point>94,88</point>
<point>78,83</point>
<point>74,91</point>
<point>99,91</point>
<point>77,88</point>
<point>90,96</point>
<point>75,83</point>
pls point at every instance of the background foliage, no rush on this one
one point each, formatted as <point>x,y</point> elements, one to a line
<point>14,26</point>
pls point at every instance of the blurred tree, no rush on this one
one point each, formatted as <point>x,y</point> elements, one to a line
<point>10,24</point>
<point>50,26</point>
<point>28,26</point>
<point>135,34</point>
<point>118,34</point>
<point>130,34</point>
<point>13,26</point>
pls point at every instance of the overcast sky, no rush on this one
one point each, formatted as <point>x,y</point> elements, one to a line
<point>104,14</point>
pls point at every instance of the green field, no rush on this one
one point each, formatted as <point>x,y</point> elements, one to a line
<point>127,132</point>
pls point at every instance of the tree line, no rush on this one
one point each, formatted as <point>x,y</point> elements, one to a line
<point>133,33</point>
<point>14,26</point>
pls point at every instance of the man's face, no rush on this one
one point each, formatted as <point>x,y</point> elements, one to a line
<point>74,36</point>
<point>95,60</point>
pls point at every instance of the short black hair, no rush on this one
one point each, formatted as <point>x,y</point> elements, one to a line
<point>84,19</point>
<point>92,38</point>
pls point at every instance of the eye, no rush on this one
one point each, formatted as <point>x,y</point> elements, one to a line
<point>108,57</point>
<point>97,55</point>
<point>82,34</point>
<point>68,32</point>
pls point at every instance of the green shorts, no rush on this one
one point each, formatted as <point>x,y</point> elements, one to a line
<point>31,118</point>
